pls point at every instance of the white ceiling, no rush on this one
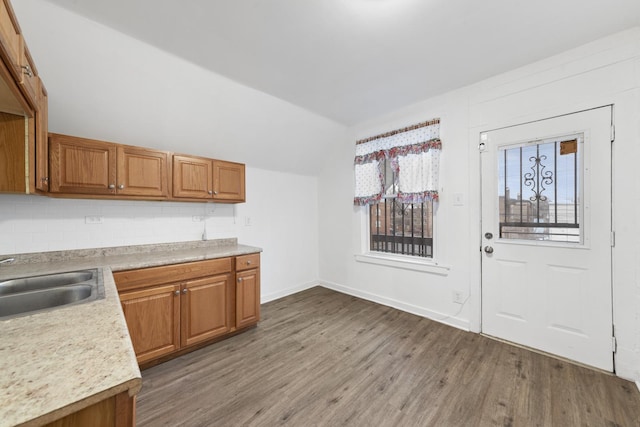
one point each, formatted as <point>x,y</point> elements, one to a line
<point>351,60</point>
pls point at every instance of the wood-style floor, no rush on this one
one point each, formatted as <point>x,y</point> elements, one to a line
<point>321,358</point>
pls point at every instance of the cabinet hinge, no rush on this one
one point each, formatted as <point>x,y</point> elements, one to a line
<point>613,239</point>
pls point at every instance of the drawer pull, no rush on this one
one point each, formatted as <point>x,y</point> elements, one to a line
<point>249,262</point>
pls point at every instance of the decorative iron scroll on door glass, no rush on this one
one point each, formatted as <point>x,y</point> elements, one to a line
<point>539,190</point>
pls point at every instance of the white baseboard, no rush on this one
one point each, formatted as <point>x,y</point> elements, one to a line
<point>409,308</point>
<point>286,292</point>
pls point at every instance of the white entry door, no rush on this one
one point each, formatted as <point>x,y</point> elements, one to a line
<point>546,236</point>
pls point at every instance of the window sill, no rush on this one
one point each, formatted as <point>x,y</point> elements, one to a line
<point>403,262</point>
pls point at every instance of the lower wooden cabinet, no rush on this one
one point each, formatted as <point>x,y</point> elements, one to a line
<point>173,307</point>
<point>204,309</point>
<point>153,318</point>
<point>115,411</point>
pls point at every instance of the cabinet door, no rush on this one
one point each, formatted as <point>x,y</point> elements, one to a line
<point>142,172</point>
<point>204,308</point>
<point>192,177</point>
<point>81,166</point>
<point>228,181</point>
<point>247,298</point>
<point>42,144</point>
<point>11,41</point>
<point>153,319</point>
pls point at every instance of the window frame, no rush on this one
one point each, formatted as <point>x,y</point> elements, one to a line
<point>401,261</point>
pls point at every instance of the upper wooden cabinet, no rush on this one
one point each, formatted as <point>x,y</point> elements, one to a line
<point>22,94</point>
<point>208,179</point>
<point>192,177</point>
<point>85,166</point>
<point>142,172</point>
<point>81,165</point>
<point>228,181</point>
<point>11,41</point>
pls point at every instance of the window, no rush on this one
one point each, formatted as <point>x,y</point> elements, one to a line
<point>400,228</point>
<point>539,190</point>
<point>397,177</point>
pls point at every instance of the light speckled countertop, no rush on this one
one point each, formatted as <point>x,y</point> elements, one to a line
<point>58,362</point>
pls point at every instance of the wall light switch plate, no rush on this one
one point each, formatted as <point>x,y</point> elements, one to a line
<point>93,219</point>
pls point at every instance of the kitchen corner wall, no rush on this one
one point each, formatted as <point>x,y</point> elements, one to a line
<point>105,85</point>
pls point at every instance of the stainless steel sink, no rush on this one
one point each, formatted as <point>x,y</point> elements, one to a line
<point>28,295</point>
<point>44,282</point>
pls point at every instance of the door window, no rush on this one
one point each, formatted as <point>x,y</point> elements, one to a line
<point>539,190</point>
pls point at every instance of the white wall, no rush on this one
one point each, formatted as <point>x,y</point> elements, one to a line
<point>603,72</point>
<point>105,85</point>
<point>286,229</point>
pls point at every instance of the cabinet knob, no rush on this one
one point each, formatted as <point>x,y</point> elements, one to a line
<point>249,262</point>
<point>45,179</point>
<point>215,193</point>
<point>27,70</point>
<point>210,192</point>
<point>184,291</point>
<point>112,186</point>
<point>176,292</point>
<point>121,187</point>
<point>239,279</point>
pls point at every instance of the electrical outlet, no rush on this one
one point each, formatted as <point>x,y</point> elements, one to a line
<point>247,221</point>
<point>458,199</point>
<point>93,219</point>
<point>197,218</point>
<point>457,297</point>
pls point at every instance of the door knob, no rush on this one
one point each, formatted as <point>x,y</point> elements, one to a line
<point>488,249</point>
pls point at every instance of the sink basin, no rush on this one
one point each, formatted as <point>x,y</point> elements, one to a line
<point>26,302</point>
<point>43,282</point>
<point>28,295</point>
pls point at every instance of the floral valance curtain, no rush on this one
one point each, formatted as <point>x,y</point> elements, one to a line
<point>414,154</point>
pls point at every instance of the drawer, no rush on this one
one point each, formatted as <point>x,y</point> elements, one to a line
<point>144,277</point>
<point>246,262</point>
